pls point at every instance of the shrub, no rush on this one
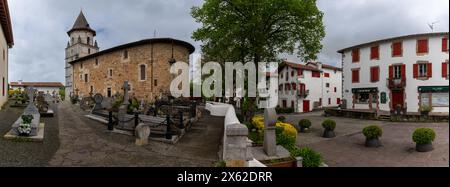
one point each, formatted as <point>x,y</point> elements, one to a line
<point>304,123</point>
<point>426,108</point>
<point>285,110</point>
<point>424,135</point>
<point>221,164</point>
<point>372,132</point>
<point>310,157</point>
<point>283,139</point>
<point>329,124</point>
<point>281,119</point>
<point>288,129</point>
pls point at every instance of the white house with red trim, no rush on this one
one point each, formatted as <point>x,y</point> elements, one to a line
<point>403,72</point>
<point>310,86</point>
<point>6,42</point>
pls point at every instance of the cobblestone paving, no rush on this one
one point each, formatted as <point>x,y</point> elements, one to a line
<point>348,149</point>
<point>87,143</point>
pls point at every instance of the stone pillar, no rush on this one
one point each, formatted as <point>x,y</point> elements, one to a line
<point>235,152</point>
<point>270,142</point>
<point>299,162</point>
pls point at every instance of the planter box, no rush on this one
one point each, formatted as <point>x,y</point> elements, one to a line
<point>286,163</point>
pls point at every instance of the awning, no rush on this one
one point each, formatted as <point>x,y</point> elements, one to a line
<point>364,90</point>
<point>433,89</point>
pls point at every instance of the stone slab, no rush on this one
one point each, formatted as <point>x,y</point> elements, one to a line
<point>174,140</point>
<point>11,135</point>
<point>97,118</point>
<point>259,154</point>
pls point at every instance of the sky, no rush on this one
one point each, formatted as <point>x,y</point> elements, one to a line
<point>40,27</point>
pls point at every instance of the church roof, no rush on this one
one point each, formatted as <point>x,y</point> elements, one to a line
<point>81,24</point>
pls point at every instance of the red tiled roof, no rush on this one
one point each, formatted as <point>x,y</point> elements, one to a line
<point>326,66</point>
<point>297,66</point>
<point>38,84</point>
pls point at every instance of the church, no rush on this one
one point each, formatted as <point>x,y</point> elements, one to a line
<point>145,64</point>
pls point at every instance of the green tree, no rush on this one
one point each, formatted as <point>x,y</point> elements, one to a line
<point>258,30</point>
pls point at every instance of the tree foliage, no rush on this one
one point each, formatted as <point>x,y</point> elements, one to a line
<point>259,30</point>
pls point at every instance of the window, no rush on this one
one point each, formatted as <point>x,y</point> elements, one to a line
<point>280,87</point>
<point>299,72</point>
<point>423,70</point>
<point>335,89</point>
<point>81,77</point>
<point>327,85</point>
<point>88,40</point>
<point>287,75</point>
<point>444,44</point>
<point>375,53</point>
<point>374,74</point>
<point>364,98</point>
<point>326,74</point>
<point>397,49</point>
<point>292,104</point>
<point>92,89</point>
<point>434,99</point>
<point>355,76</point>
<point>422,46</point>
<point>315,74</point>
<point>110,73</point>
<point>89,51</point>
<point>81,65</point>
<point>142,73</point>
<point>109,92</point>
<point>292,73</point>
<point>355,55</point>
<point>125,55</point>
<point>294,86</point>
<point>338,101</point>
<point>445,67</point>
<point>397,72</point>
<point>4,55</point>
<point>3,86</point>
<point>155,82</point>
<point>86,78</point>
<point>320,101</point>
<point>96,61</point>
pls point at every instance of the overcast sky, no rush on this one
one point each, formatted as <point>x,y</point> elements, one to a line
<point>40,26</point>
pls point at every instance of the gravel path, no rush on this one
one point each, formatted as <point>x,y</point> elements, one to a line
<point>28,154</point>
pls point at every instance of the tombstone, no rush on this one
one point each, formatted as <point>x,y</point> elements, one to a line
<point>270,142</point>
<point>98,99</point>
<point>142,132</point>
<point>41,102</point>
<point>30,110</point>
<point>122,119</point>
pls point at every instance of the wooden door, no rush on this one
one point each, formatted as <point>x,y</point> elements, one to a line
<point>305,105</point>
<point>397,99</point>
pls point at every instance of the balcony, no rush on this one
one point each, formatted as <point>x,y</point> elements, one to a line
<point>394,83</point>
<point>303,93</point>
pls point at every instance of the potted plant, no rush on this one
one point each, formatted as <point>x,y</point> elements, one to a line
<point>425,110</point>
<point>423,137</point>
<point>303,125</point>
<point>329,126</point>
<point>25,127</point>
<point>372,134</point>
<point>327,112</point>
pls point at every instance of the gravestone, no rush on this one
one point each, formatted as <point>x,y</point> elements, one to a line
<point>123,121</point>
<point>98,99</point>
<point>30,110</point>
<point>42,103</point>
<point>270,142</point>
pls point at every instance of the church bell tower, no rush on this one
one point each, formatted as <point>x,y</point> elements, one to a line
<point>81,43</point>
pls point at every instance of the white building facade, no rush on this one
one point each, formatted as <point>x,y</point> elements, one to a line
<point>45,87</point>
<point>308,87</point>
<point>401,73</point>
<point>6,42</point>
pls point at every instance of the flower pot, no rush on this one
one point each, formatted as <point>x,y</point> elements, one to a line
<point>328,134</point>
<point>302,129</point>
<point>374,142</point>
<point>425,147</point>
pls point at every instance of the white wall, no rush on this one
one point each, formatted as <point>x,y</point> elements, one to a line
<point>316,86</point>
<point>435,56</point>
<point>3,68</point>
<point>40,89</point>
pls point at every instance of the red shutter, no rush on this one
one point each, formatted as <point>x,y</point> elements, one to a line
<point>422,46</point>
<point>377,74</point>
<point>294,86</point>
<point>430,70</point>
<point>444,69</point>
<point>374,52</point>
<point>338,101</point>
<point>444,44</point>
<point>403,71</point>
<point>391,72</point>
<point>397,49</point>
<point>415,70</point>
<point>355,55</point>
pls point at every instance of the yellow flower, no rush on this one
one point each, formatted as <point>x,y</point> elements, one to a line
<point>288,129</point>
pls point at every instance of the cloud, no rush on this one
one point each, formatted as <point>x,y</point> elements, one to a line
<point>40,26</point>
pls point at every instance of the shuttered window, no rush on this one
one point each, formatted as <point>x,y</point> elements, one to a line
<point>422,46</point>
<point>375,52</point>
<point>444,44</point>
<point>315,74</point>
<point>445,70</point>
<point>397,49</point>
<point>423,70</point>
<point>355,76</point>
<point>374,74</point>
<point>355,55</point>
<point>326,75</point>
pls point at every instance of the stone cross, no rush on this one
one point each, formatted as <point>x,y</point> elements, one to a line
<point>30,93</point>
<point>126,97</point>
<point>270,142</point>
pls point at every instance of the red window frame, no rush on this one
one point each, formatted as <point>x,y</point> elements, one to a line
<point>375,52</point>
<point>326,75</point>
<point>355,55</point>
<point>374,74</point>
<point>397,49</point>
<point>445,44</point>
<point>355,75</point>
<point>422,46</point>
<point>315,74</point>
